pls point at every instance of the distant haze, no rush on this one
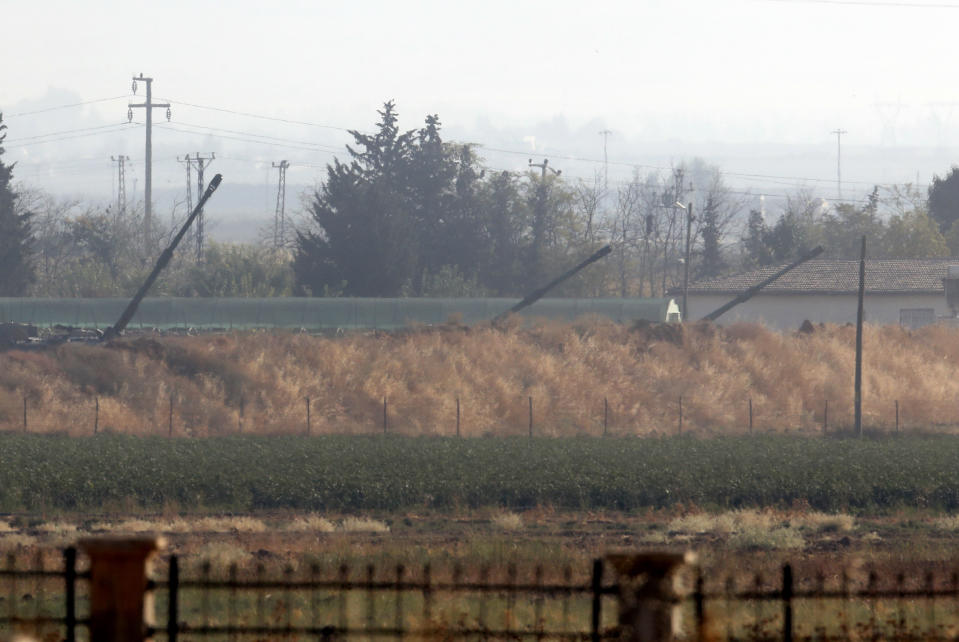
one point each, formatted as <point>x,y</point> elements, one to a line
<point>753,86</point>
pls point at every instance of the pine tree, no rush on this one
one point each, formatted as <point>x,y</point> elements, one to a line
<point>16,272</point>
<point>713,263</point>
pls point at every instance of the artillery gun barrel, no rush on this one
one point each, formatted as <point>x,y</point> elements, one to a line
<point>538,294</point>
<point>161,263</point>
<point>751,292</point>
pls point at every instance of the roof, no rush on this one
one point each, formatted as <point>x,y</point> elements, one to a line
<point>837,276</point>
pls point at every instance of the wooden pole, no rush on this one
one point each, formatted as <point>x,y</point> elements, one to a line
<point>96,415</point>
<point>530,417</point>
<point>239,419</point>
<point>171,415</point>
<point>825,417</point>
<point>680,414</point>
<point>385,420</point>
<point>859,319</point>
<point>897,416</point>
<point>24,413</point>
<point>308,427</point>
<point>750,415</point>
<point>457,416</point>
<point>605,416</point>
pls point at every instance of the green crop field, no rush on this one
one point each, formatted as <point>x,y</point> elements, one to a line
<point>350,473</point>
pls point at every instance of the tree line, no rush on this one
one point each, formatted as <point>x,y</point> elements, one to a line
<point>407,213</point>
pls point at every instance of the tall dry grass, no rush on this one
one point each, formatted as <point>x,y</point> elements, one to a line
<point>258,382</point>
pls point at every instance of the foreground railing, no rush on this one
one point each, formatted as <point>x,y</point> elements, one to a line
<point>635,596</point>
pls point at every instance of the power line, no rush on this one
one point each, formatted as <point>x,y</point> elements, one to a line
<point>604,161</point>
<point>62,138</point>
<point>85,102</point>
<point>261,117</point>
<point>264,136</point>
<point>301,147</point>
<point>66,131</point>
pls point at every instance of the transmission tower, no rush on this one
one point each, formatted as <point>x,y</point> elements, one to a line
<point>149,106</point>
<point>279,217</point>
<point>189,181</point>
<point>889,115</point>
<point>605,134</point>
<point>121,182</point>
<point>839,133</point>
<point>201,163</point>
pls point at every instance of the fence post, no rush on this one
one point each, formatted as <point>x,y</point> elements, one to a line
<point>308,427</point>
<point>121,607</point>
<point>173,597</point>
<point>597,589</point>
<point>170,430</point>
<point>699,603</point>
<point>457,416</point>
<point>680,414</point>
<point>24,413</point>
<point>239,419</point>
<point>530,417</point>
<point>650,594</point>
<point>750,415</point>
<point>70,575</point>
<point>96,415</point>
<point>825,417</point>
<point>385,420</point>
<point>605,416</point>
<point>787,595</point>
<point>897,416</point>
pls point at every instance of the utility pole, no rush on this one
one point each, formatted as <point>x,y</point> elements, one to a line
<point>857,385</point>
<point>544,166</point>
<point>189,180</point>
<point>839,133</point>
<point>199,162</point>
<point>540,215</point>
<point>121,182</point>
<point>149,105</point>
<point>605,134</point>
<point>279,216</point>
<point>689,228</point>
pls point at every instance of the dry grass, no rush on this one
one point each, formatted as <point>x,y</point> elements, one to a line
<point>508,521</point>
<point>754,530</point>
<point>948,523</point>
<point>493,372</point>
<point>363,525</point>
<point>312,524</point>
<point>824,522</point>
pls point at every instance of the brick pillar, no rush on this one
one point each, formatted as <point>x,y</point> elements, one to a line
<point>650,592</point>
<point>121,608</point>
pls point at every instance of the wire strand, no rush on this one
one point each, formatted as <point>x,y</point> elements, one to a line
<point>85,102</point>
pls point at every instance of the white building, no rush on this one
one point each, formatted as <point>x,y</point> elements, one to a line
<point>904,291</point>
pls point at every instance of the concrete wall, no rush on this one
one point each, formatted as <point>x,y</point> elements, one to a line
<point>788,311</point>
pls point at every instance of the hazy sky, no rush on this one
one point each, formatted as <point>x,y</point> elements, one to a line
<point>524,76</point>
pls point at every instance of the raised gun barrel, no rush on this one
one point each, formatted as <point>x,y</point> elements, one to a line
<point>161,263</point>
<point>538,294</point>
<point>751,292</point>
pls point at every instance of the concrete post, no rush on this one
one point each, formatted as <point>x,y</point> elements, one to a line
<point>121,608</point>
<point>650,592</point>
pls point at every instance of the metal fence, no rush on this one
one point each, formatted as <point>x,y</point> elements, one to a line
<point>374,603</point>
<point>202,601</point>
<point>40,599</point>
